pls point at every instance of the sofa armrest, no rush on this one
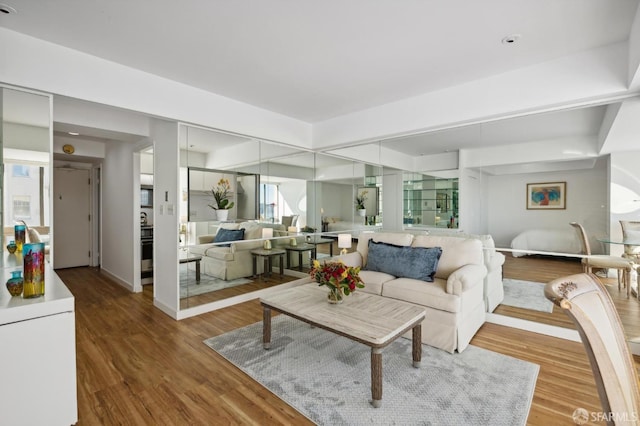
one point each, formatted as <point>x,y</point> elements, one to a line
<point>496,261</point>
<point>206,239</point>
<point>245,245</point>
<point>465,278</point>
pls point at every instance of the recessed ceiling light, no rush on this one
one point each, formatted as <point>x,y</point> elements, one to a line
<point>510,39</point>
<point>6,9</point>
<point>73,133</point>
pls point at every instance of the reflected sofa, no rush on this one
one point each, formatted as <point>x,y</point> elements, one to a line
<point>454,301</point>
<point>235,260</point>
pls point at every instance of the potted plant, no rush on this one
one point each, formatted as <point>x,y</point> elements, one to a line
<point>360,199</point>
<point>221,196</point>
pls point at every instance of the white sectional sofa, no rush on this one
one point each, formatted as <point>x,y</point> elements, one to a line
<point>454,301</point>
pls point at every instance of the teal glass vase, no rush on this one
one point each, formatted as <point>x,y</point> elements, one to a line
<point>15,284</point>
<point>12,247</point>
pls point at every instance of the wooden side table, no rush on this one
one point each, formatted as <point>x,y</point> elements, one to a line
<point>300,248</point>
<point>267,256</point>
<point>186,258</point>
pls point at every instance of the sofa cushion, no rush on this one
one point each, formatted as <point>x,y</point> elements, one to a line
<point>373,281</point>
<point>431,294</point>
<point>220,253</point>
<point>225,235</point>
<point>419,263</point>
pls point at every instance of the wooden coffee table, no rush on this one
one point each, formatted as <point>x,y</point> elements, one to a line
<point>372,320</point>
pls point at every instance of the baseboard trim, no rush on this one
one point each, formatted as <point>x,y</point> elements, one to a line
<point>213,306</point>
<point>131,287</point>
<point>535,327</point>
<point>166,309</point>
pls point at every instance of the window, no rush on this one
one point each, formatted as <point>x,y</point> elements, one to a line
<point>268,202</point>
<point>26,194</point>
<point>21,207</point>
<point>20,170</point>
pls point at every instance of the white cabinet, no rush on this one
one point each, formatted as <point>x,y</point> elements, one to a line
<point>38,356</point>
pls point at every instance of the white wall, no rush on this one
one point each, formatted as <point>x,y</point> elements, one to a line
<point>587,192</point>
<point>294,193</point>
<point>117,211</point>
<point>337,201</point>
<point>166,216</point>
<point>625,193</point>
<point>38,64</point>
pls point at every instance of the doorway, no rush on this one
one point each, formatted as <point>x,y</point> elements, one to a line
<point>72,217</point>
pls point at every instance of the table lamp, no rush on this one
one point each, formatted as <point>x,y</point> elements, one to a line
<point>266,234</point>
<point>293,230</point>
<point>344,242</point>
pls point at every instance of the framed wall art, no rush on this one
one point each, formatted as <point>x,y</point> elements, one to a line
<point>547,196</point>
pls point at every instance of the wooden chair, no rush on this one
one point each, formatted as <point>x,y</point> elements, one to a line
<point>585,300</point>
<point>590,261</point>
<point>631,229</point>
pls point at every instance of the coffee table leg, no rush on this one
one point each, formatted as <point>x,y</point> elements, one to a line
<point>266,327</point>
<point>376,377</point>
<point>281,265</point>
<point>417,345</point>
<point>300,260</point>
<point>198,271</point>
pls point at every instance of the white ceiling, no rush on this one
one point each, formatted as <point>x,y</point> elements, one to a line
<point>316,60</point>
<point>513,131</point>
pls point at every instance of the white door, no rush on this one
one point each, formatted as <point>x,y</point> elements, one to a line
<point>71,209</point>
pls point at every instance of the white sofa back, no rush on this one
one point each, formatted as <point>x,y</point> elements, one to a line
<point>456,252</point>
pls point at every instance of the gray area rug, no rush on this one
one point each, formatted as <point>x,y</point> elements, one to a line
<point>189,287</point>
<point>526,294</point>
<point>328,378</point>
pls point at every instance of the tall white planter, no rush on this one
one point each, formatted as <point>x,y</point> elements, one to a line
<point>222,215</point>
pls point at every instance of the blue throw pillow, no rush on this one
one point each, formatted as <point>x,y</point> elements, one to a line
<point>419,263</point>
<point>224,235</point>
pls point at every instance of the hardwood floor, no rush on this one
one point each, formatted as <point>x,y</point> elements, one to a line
<point>136,365</point>
<point>544,269</point>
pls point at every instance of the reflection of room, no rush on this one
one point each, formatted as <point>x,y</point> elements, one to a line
<point>270,191</point>
<point>26,157</point>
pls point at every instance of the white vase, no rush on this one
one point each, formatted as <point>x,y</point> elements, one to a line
<point>222,215</point>
<point>362,212</point>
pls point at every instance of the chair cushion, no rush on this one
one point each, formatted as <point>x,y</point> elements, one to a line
<point>224,235</point>
<point>419,263</point>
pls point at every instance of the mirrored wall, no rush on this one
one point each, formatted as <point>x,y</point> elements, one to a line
<point>284,206</point>
<point>25,149</point>
<point>523,180</point>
